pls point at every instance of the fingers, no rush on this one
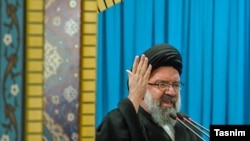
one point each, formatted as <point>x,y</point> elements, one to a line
<point>148,71</point>
<point>140,65</point>
<point>135,64</point>
<point>138,80</point>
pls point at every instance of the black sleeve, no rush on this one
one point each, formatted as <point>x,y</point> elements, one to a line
<point>121,124</point>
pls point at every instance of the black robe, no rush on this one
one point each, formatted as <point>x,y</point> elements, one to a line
<point>124,124</point>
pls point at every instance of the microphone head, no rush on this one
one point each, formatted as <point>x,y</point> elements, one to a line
<point>180,115</point>
<point>184,115</point>
<point>173,116</point>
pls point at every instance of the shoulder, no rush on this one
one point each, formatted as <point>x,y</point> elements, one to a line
<point>123,114</point>
<point>119,124</point>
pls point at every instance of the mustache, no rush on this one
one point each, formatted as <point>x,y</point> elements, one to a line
<point>167,98</point>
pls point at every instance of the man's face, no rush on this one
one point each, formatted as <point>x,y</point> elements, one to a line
<point>162,98</point>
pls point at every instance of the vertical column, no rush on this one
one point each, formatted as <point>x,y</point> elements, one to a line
<point>61,70</point>
<point>34,70</point>
<point>88,69</point>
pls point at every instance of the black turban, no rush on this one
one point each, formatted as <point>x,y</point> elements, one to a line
<point>164,55</point>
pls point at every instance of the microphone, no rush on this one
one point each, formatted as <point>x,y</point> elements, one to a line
<point>196,125</point>
<point>180,121</point>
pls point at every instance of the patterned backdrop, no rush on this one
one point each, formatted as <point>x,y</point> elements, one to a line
<point>61,69</point>
<point>11,64</point>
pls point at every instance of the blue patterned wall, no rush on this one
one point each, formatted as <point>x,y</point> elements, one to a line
<point>11,70</point>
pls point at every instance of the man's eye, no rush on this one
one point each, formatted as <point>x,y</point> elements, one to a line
<point>176,85</point>
<point>163,84</point>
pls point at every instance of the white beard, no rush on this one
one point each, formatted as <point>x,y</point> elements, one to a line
<point>161,115</point>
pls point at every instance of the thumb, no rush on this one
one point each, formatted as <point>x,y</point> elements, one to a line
<point>129,73</point>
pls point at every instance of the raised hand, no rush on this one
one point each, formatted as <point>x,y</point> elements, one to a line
<point>138,80</point>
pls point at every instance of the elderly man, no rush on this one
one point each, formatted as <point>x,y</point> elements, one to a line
<point>154,94</point>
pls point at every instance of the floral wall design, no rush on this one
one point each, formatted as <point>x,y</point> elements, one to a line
<point>61,70</point>
<point>11,70</point>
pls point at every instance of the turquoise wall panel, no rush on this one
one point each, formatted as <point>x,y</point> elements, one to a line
<point>11,70</point>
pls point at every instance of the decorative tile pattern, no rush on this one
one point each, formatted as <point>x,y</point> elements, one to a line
<point>103,5</point>
<point>11,64</point>
<point>61,69</point>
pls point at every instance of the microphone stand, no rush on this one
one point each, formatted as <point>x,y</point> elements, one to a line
<point>191,122</point>
<point>177,119</point>
<point>199,125</point>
